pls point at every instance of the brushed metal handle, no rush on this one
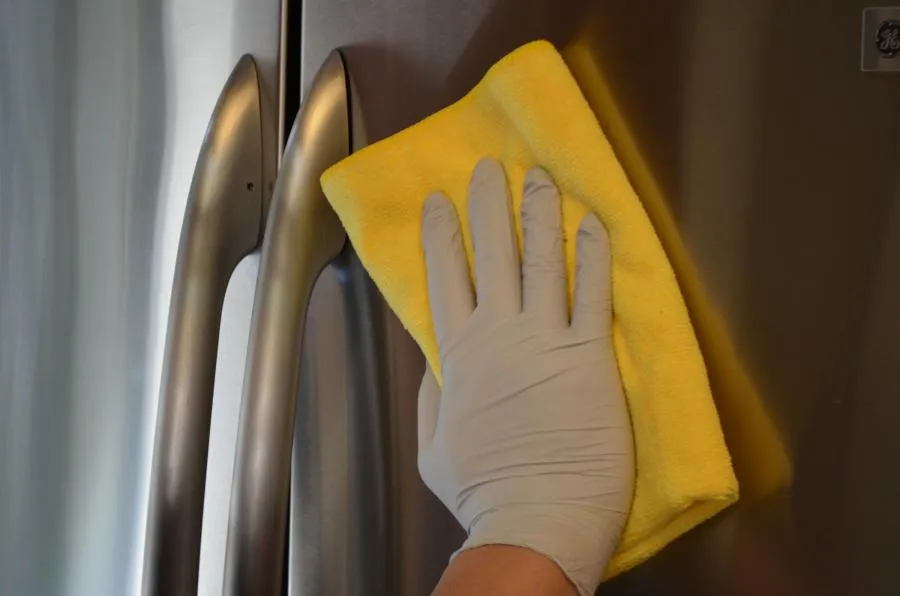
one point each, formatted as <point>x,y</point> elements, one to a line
<point>302,236</point>
<point>222,224</point>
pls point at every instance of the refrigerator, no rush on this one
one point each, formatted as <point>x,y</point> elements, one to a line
<point>202,391</point>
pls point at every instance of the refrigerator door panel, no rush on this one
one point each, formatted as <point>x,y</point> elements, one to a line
<point>103,108</point>
<point>776,157</point>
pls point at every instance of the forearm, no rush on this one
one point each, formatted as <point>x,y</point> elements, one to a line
<point>499,570</point>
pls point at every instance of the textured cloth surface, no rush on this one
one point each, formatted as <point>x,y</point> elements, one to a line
<point>529,111</point>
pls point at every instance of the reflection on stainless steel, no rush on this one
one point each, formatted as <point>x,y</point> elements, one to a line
<point>758,454</point>
<point>302,236</point>
<point>786,212</point>
<point>221,226</point>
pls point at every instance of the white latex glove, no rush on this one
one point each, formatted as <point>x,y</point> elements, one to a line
<point>529,442</point>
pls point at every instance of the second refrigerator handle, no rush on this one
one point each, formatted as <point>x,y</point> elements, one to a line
<point>303,235</point>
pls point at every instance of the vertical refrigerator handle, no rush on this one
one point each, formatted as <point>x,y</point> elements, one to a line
<point>222,224</point>
<point>302,236</point>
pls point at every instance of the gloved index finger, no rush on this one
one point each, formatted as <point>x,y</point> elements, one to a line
<point>450,293</point>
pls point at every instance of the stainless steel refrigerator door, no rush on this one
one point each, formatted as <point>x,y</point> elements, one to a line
<point>103,107</point>
<point>777,158</point>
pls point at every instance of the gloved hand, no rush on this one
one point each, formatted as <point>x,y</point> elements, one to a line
<point>528,443</point>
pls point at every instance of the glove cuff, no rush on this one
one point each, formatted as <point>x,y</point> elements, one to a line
<point>580,540</point>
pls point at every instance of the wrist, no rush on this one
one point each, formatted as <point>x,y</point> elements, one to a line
<point>579,539</point>
<point>501,570</point>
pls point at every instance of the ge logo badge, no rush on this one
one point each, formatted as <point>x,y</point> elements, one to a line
<point>887,38</point>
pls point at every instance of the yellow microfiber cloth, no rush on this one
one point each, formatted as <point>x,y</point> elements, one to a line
<point>529,111</point>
